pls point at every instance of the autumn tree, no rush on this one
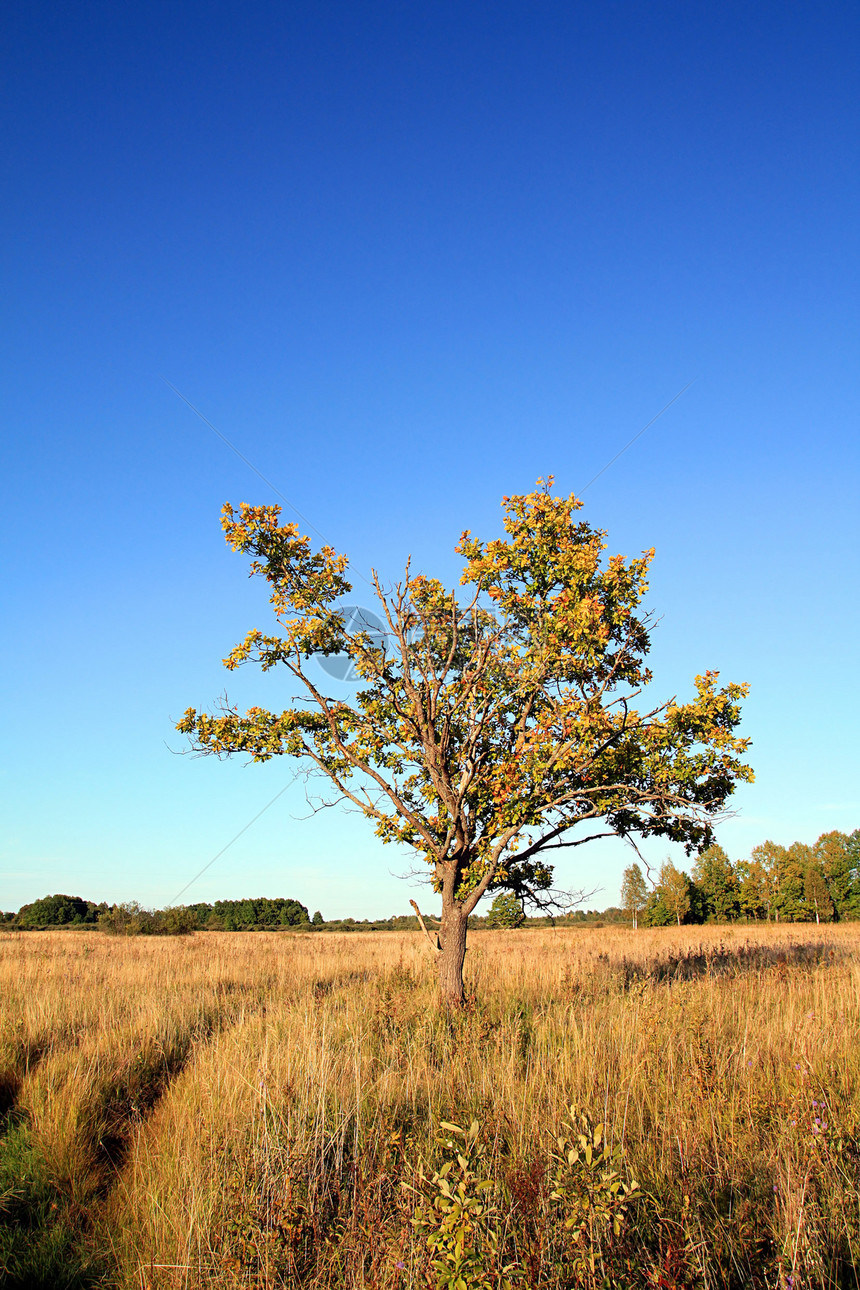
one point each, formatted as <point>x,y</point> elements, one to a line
<point>634,893</point>
<point>767,867</point>
<point>674,888</point>
<point>753,889</point>
<point>816,892</point>
<point>799,883</point>
<point>494,726</point>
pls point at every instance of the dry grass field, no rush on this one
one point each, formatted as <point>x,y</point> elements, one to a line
<point>265,1110</point>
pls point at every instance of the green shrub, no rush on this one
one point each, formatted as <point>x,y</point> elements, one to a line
<point>506,911</point>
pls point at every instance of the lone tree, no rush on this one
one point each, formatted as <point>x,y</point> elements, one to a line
<point>506,911</point>
<point>491,727</point>
<point>634,893</point>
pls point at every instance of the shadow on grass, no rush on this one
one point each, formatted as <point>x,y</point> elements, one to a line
<point>27,1056</point>
<point>128,1101</point>
<point>46,1237</point>
<point>41,1244</point>
<point>721,961</point>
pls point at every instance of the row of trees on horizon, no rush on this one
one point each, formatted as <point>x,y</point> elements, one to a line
<point>130,918</point>
<point>798,883</point>
<point>794,884</point>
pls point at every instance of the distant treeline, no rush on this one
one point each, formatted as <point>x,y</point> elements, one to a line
<point>131,919</point>
<point>795,884</point>
<point>244,915</point>
<point>265,913</point>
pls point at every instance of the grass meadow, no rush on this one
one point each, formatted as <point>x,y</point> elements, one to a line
<point>270,1109</point>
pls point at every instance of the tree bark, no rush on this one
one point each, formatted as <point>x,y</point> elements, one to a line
<point>452,938</point>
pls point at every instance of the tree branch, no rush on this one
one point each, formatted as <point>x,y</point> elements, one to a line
<point>437,946</point>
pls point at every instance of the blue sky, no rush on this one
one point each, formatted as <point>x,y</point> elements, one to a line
<point>409,258</point>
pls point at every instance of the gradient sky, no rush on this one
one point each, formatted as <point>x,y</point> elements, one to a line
<point>408,259</point>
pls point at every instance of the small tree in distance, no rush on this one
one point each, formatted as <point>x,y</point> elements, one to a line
<point>506,911</point>
<point>491,728</point>
<point>634,893</point>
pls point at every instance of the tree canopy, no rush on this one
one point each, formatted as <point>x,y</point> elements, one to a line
<point>58,911</point>
<point>794,884</point>
<point>493,726</point>
<point>237,915</point>
<point>717,885</point>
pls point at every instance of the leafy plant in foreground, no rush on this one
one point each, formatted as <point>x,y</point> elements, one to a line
<point>589,1187</point>
<point>460,1217</point>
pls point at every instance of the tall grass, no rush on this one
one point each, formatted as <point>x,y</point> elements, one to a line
<point>264,1109</point>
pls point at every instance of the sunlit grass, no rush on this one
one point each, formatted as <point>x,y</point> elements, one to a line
<point>256,1109</point>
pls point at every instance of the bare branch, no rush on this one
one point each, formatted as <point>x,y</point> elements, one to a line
<point>437,946</point>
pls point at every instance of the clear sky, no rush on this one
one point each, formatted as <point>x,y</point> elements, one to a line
<point>408,258</point>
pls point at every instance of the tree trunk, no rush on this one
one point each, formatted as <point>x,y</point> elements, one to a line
<point>452,938</point>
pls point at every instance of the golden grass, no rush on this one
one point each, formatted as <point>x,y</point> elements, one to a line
<point>244,1109</point>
